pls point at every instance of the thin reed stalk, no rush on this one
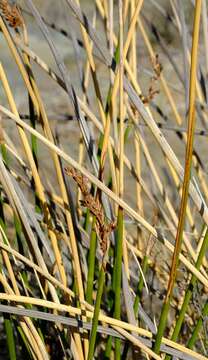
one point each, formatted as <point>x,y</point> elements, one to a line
<point>186,181</point>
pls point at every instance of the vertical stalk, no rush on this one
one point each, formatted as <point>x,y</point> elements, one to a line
<point>140,284</point>
<point>120,229</point>
<point>189,291</point>
<point>198,327</point>
<point>101,281</point>
<point>91,262</point>
<point>10,338</point>
<point>118,267</point>
<point>8,323</point>
<point>186,181</point>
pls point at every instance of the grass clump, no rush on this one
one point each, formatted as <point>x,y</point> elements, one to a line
<point>103,215</point>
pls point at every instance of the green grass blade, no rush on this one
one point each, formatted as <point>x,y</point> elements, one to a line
<point>10,339</point>
<point>189,291</point>
<point>140,285</point>
<point>198,327</point>
<point>91,263</point>
<point>101,281</point>
<point>118,272</point>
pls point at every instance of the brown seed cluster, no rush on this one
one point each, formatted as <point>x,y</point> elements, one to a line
<point>11,14</point>
<point>157,67</point>
<point>103,228</point>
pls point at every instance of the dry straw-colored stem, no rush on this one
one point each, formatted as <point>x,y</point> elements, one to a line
<point>107,191</point>
<point>117,324</point>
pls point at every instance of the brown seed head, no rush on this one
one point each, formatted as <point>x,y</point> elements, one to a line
<point>11,14</point>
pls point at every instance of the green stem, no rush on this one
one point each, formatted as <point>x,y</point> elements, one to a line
<point>162,325</point>
<point>108,348</point>
<point>10,339</point>
<point>118,268</point>
<point>198,326</point>
<point>101,281</point>
<point>186,180</point>
<point>137,300</point>
<point>91,263</point>
<point>189,291</point>
<point>140,285</point>
<point>4,153</point>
